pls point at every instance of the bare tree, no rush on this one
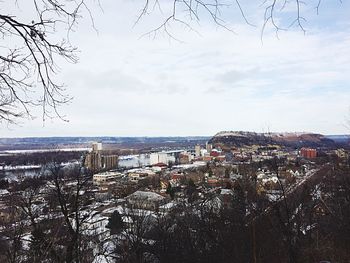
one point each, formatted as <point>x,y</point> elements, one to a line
<point>70,189</point>
<point>50,220</point>
<point>29,54</point>
<point>11,234</point>
<point>186,12</point>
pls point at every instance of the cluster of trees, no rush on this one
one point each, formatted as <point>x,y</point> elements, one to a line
<point>48,222</point>
<point>309,224</point>
<point>40,158</point>
<point>44,217</point>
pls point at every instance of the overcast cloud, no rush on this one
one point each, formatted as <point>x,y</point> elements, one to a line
<point>216,80</point>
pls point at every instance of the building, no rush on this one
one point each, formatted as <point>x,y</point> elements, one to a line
<point>185,158</point>
<point>93,161</point>
<point>136,175</point>
<point>96,161</point>
<point>209,147</point>
<point>204,152</point>
<point>98,179</point>
<point>109,161</point>
<point>215,153</point>
<point>96,146</point>
<point>162,157</point>
<point>145,200</point>
<point>153,158</point>
<point>102,178</point>
<point>308,153</point>
<point>207,158</point>
<point>197,150</point>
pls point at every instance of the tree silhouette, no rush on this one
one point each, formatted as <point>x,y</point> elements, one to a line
<point>115,222</point>
<point>29,56</point>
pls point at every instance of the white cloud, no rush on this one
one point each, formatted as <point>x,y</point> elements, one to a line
<point>126,85</point>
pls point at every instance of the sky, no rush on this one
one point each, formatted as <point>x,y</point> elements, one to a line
<point>203,79</point>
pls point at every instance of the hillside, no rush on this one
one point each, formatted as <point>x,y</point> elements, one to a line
<point>243,138</point>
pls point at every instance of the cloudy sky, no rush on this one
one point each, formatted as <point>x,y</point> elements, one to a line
<point>130,84</point>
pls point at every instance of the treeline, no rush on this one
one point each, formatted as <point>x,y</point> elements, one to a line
<point>40,158</point>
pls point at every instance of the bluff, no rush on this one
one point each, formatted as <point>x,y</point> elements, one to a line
<point>291,139</point>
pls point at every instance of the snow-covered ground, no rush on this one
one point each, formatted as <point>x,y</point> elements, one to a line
<point>19,167</point>
<point>192,165</point>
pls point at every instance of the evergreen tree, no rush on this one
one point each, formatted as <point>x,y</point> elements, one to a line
<point>115,222</point>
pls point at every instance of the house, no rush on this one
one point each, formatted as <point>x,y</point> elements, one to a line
<point>135,175</point>
<point>145,200</point>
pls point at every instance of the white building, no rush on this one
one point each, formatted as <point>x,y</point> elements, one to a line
<point>161,157</point>
<point>105,177</point>
<point>153,158</point>
<point>203,152</point>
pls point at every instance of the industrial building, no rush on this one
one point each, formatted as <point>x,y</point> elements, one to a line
<point>97,161</point>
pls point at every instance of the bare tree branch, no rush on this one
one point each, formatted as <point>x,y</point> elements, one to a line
<point>28,65</point>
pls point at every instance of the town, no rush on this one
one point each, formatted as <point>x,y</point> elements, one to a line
<point>204,131</point>
<point>178,205</point>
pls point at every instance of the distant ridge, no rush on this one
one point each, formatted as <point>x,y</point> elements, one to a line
<point>291,139</point>
<point>73,142</point>
<point>339,138</point>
